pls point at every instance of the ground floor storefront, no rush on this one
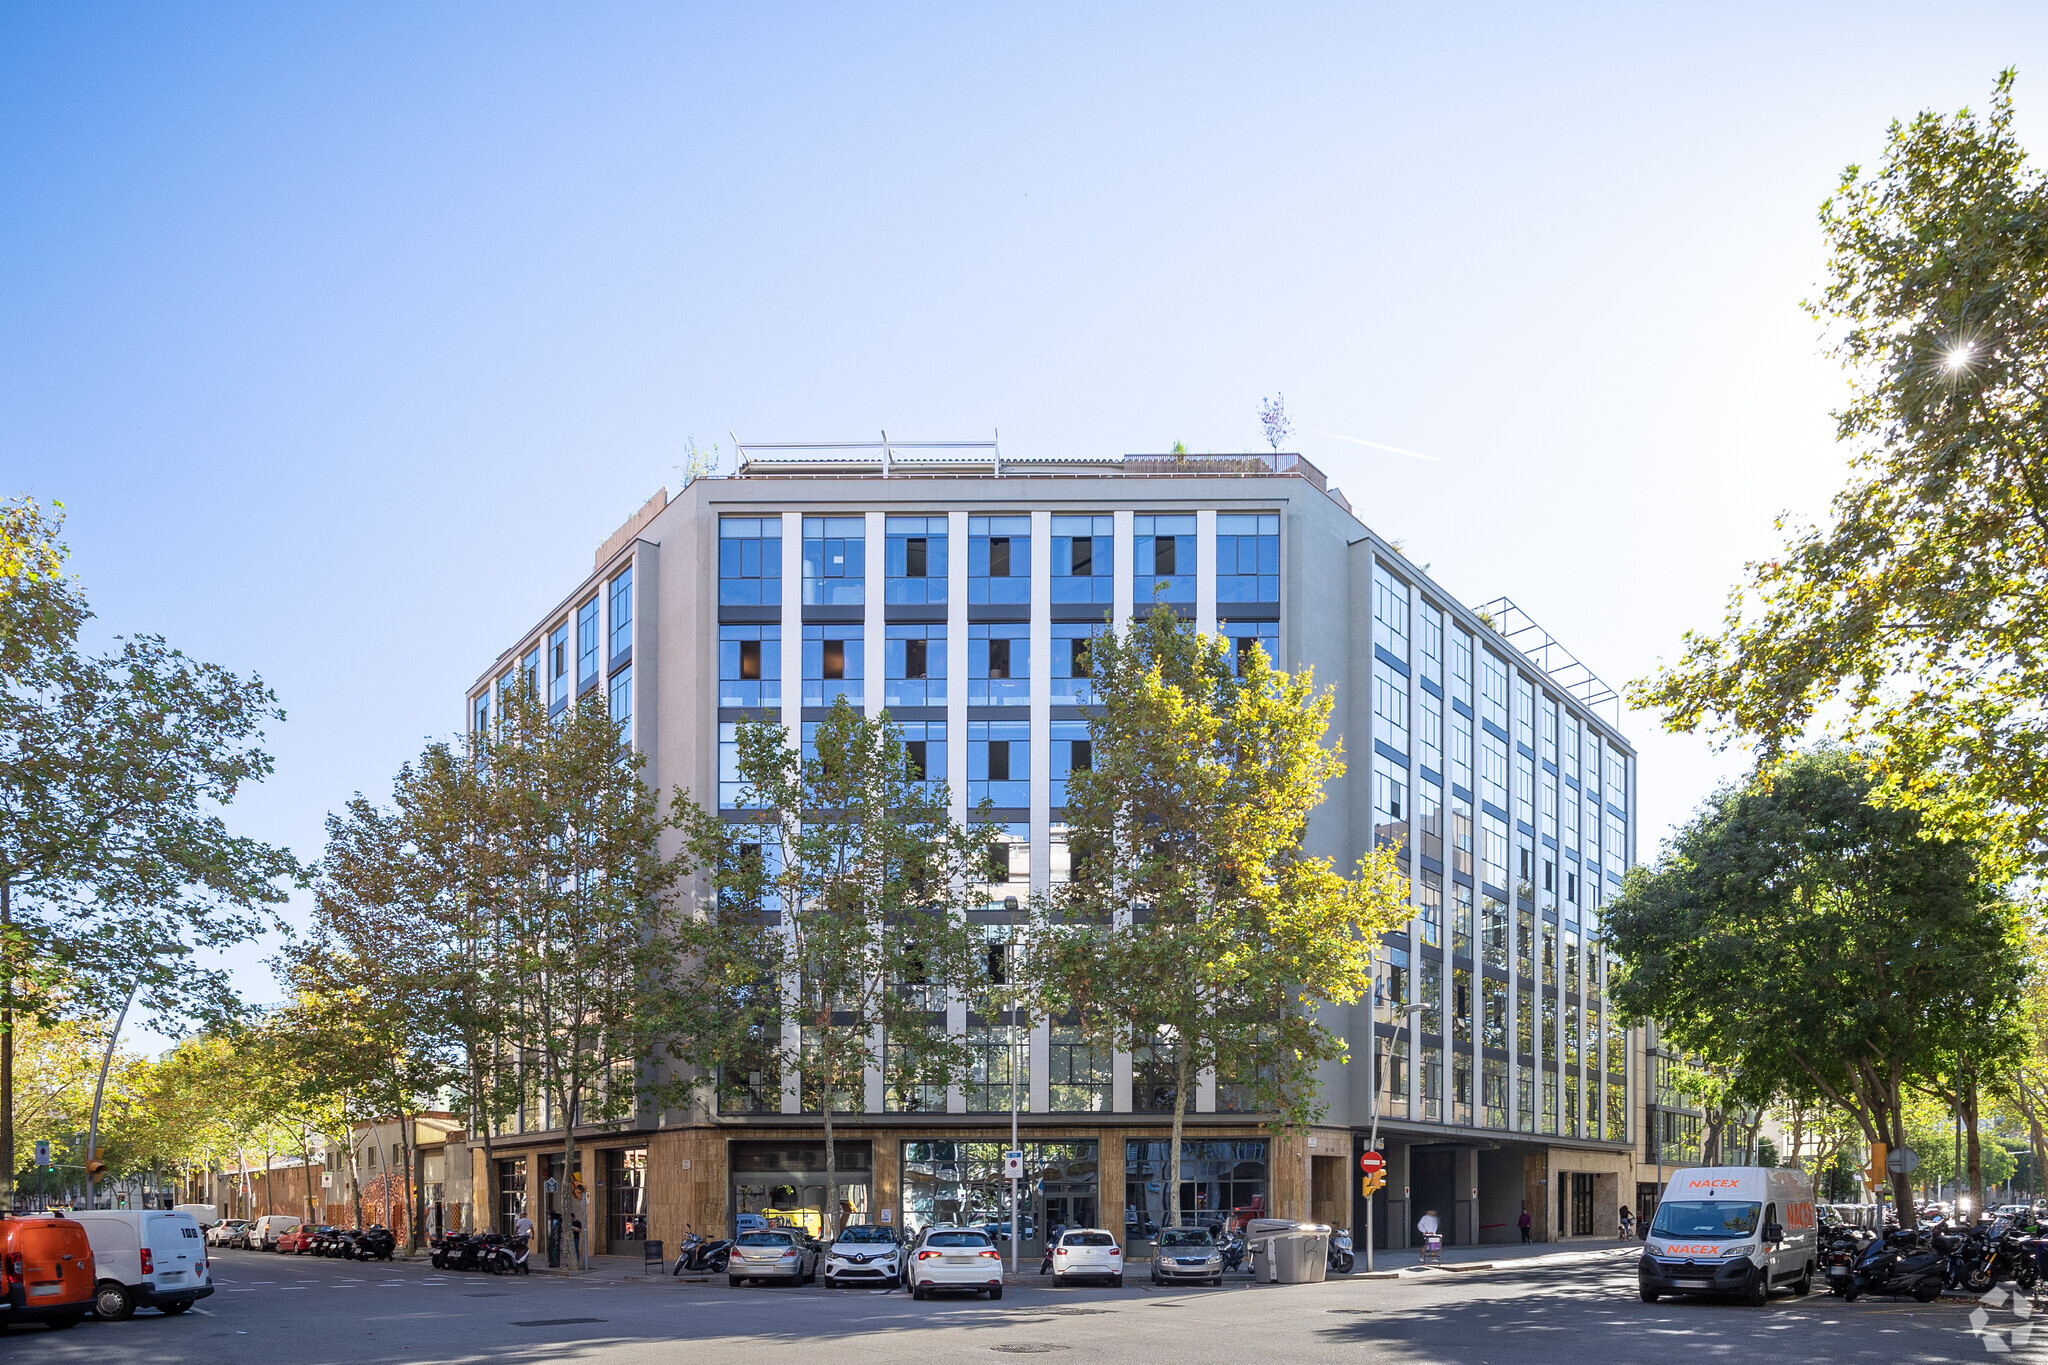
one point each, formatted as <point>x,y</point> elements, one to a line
<point>1481,1189</point>
<point>664,1183</point>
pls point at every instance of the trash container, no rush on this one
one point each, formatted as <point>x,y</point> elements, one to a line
<point>1259,1237</point>
<point>1302,1256</point>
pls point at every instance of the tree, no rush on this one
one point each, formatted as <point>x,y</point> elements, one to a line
<point>1196,923</point>
<point>1920,610</point>
<point>834,929</point>
<point>1274,421</point>
<point>115,863</point>
<point>1857,951</point>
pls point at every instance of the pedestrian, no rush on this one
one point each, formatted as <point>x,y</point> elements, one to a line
<point>1627,1219</point>
<point>576,1237</point>
<point>1525,1223</point>
<point>522,1228</point>
<point>1431,1228</point>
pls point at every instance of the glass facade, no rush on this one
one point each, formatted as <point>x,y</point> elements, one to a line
<point>835,561</point>
<point>749,666</point>
<point>999,664</point>
<point>914,669</point>
<point>998,561</point>
<point>749,562</point>
<point>1164,548</point>
<point>999,763</point>
<point>835,663</point>
<point>1220,1182</point>
<point>914,558</point>
<point>1084,560</point>
<point>963,1183</point>
<point>1247,557</point>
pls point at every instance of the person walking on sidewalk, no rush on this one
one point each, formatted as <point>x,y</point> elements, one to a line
<point>1525,1222</point>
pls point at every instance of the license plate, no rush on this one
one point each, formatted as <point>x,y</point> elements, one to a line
<point>1694,1284</point>
<point>36,1289</point>
<point>169,1275</point>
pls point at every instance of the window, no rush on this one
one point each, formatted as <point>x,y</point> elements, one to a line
<point>1569,811</point>
<point>1432,1084</point>
<point>1070,667</point>
<point>905,1089</point>
<point>749,562</point>
<point>1245,636</point>
<point>1617,781</point>
<point>529,672</point>
<point>1547,792</point>
<point>999,664</point>
<point>1461,920</point>
<point>1152,1078</point>
<point>750,665</point>
<point>997,1066</point>
<point>924,752</point>
<point>834,663</point>
<point>1006,863</point>
<point>1220,1179</point>
<point>1461,667</point>
<point>1430,977</point>
<point>1493,692</point>
<point>1461,751</point>
<point>1432,644</point>
<point>586,646</point>
<point>1071,752</point>
<point>1617,849</point>
<point>622,617</point>
<point>1390,613</point>
<point>1390,801</point>
<point>914,560</point>
<point>1493,932</point>
<point>835,561</point>
<point>625,1179</point>
<point>1084,559</point>
<point>1592,812</point>
<point>622,705</point>
<point>1493,868</point>
<point>1525,790</point>
<point>1247,557</point>
<point>1390,1076</point>
<point>998,560</point>
<point>482,711</point>
<point>999,762</point>
<point>1494,1090</point>
<point>733,794</point>
<point>1389,706</point>
<point>1429,910</point>
<point>1548,710</point>
<point>1081,1082</point>
<point>1493,1002</point>
<point>1429,817</point>
<point>1432,731</point>
<point>1525,706</point>
<point>1461,835</point>
<point>511,1191</point>
<point>1493,771</point>
<point>1390,985</point>
<point>1164,551</point>
<point>914,665</point>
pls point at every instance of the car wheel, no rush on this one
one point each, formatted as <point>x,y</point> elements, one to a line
<point>112,1302</point>
<point>917,1292</point>
<point>1116,1282</point>
<point>173,1309</point>
<point>1759,1290</point>
<point>1649,1295</point>
<point>733,1280</point>
<point>995,1291</point>
<point>1803,1286</point>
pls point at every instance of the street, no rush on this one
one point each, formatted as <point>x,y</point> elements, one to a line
<point>276,1311</point>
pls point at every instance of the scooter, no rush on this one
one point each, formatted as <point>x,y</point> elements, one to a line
<point>1904,1264</point>
<point>506,1256</point>
<point>458,1251</point>
<point>374,1243</point>
<point>1234,1249</point>
<point>1340,1257</point>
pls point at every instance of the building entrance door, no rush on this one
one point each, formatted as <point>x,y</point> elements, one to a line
<point>1582,1204</point>
<point>1431,1184</point>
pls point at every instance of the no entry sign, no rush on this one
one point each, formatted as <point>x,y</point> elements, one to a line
<point>1371,1163</point>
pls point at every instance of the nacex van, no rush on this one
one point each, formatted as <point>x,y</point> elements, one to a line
<point>1740,1230</point>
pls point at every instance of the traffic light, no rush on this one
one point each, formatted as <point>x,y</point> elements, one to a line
<point>95,1168</point>
<point>1370,1185</point>
<point>1875,1174</point>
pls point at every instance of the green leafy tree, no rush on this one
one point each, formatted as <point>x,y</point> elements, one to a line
<point>1812,940</point>
<point>1196,924</point>
<point>834,931</point>
<point>1917,614</point>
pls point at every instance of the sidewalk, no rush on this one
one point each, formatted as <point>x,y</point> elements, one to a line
<point>1469,1259</point>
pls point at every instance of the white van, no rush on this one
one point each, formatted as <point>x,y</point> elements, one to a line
<point>206,1215</point>
<point>265,1231</point>
<point>144,1258</point>
<point>1742,1230</point>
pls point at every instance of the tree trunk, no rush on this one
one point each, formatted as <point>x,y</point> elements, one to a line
<point>1180,1110</point>
<point>490,1154</point>
<point>567,1190</point>
<point>355,1178</point>
<point>306,1152</point>
<point>1973,1149</point>
<point>831,1210</point>
<point>408,1134</point>
<point>6,1047</point>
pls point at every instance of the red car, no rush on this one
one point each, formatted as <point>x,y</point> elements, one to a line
<point>300,1239</point>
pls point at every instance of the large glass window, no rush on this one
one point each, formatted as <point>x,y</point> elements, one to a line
<point>835,561</point>
<point>1390,801</point>
<point>1389,706</point>
<point>963,1183</point>
<point>998,1065</point>
<point>733,793</point>
<point>999,664</point>
<point>1081,1081</point>
<point>1245,636</point>
<point>1084,559</point>
<point>625,1185</point>
<point>1006,860</point>
<point>905,1087</point>
<point>998,560</point>
<point>1432,731</point>
<point>1390,1075</point>
<point>1071,752</point>
<point>511,1193</point>
<point>1493,771</point>
<point>1461,666</point>
<point>587,661</point>
<point>834,663</point>
<point>1390,612</point>
<point>1493,691</point>
<point>1495,1092</point>
<point>1432,644</point>
<point>1070,667</point>
<point>1247,557</point>
<point>915,560</point>
<point>1152,1078</point>
<point>1222,1183</point>
<point>1494,1001</point>
<point>749,562</point>
<point>924,751</point>
<point>1493,932</point>
<point>750,665</point>
<point>1164,548</point>
<point>1493,853</point>
<point>622,615</point>
<point>999,762</point>
<point>481,708</point>
<point>622,706</point>
<point>914,669</point>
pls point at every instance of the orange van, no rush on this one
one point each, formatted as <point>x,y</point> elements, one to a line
<point>49,1270</point>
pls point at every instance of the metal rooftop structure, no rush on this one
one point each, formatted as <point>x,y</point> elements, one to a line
<point>1522,631</point>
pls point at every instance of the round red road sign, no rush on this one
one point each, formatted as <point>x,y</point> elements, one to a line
<point>1371,1163</point>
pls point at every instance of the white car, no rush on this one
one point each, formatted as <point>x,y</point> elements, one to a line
<point>864,1254</point>
<point>1088,1254</point>
<point>955,1258</point>
<point>218,1234</point>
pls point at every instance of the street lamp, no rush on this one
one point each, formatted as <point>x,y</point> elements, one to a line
<point>1408,1013</point>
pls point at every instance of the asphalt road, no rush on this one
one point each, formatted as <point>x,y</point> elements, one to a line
<point>284,1311</point>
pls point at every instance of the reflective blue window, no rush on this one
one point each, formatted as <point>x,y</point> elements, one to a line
<point>1007,858</point>
<point>622,615</point>
<point>750,561</point>
<point>558,667</point>
<point>1248,557</point>
<point>914,666</point>
<point>1084,559</point>
<point>915,560</point>
<point>750,665</point>
<point>835,561</point>
<point>998,559</point>
<point>483,712</point>
<point>1164,549</point>
<point>587,633</point>
<point>1070,670</point>
<point>834,663</point>
<point>999,762</point>
<point>733,794</point>
<point>1244,636</point>
<point>924,751</point>
<point>622,706</point>
<point>999,664</point>
<point>1070,753</point>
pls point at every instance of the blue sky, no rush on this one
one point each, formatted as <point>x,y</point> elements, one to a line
<point>348,332</point>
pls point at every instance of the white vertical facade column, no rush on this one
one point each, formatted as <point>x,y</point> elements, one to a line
<point>956,735</point>
<point>1442,950</point>
<point>874,637</point>
<point>1038,1039</point>
<point>792,721</point>
<point>1205,622</point>
<point>1123,605</point>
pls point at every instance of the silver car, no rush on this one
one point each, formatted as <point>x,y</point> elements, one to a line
<point>773,1254</point>
<point>1187,1254</point>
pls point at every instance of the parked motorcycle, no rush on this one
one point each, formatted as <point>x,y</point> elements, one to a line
<point>1340,1257</point>
<point>374,1243</point>
<point>458,1251</point>
<point>505,1256</point>
<point>701,1255</point>
<point>1904,1264</point>
<point>1234,1250</point>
